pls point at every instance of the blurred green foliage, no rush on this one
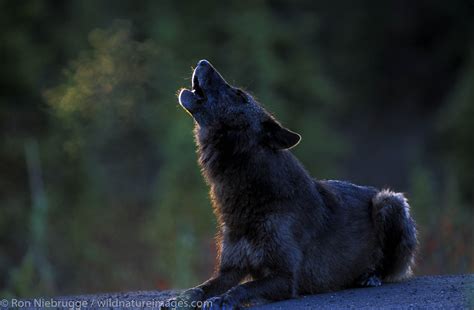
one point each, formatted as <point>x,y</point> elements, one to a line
<point>99,187</point>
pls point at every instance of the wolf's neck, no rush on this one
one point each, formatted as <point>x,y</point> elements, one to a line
<point>250,184</point>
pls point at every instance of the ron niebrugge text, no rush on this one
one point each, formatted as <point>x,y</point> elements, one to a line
<point>79,304</point>
<point>101,303</point>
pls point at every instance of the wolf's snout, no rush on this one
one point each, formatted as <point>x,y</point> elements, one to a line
<point>206,77</point>
<point>196,86</point>
<point>201,76</point>
<point>202,73</point>
<point>203,62</point>
<point>207,86</point>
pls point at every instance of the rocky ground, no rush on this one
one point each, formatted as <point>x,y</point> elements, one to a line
<point>434,292</point>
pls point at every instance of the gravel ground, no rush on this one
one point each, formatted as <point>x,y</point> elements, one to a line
<point>434,292</point>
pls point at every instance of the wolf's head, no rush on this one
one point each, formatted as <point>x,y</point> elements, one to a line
<point>216,105</point>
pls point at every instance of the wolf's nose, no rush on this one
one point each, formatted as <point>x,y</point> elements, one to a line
<point>203,62</point>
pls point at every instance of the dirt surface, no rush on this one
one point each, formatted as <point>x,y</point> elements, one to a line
<point>439,292</point>
<point>435,292</point>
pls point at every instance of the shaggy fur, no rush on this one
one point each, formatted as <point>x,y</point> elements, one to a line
<point>285,231</point>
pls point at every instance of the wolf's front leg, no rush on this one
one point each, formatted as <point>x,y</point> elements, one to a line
<point>220,283</point>
<point>271,288</point>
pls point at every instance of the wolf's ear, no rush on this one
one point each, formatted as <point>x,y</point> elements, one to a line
<point>278,137</point>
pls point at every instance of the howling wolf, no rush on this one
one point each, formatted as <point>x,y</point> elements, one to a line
<point>282,231</point>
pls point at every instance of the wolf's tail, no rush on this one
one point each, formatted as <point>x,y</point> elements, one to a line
<point>397,234</point>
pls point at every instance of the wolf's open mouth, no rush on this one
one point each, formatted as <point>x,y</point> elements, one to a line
<point>197,90</point>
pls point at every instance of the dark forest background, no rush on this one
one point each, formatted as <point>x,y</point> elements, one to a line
<point>99,187</point>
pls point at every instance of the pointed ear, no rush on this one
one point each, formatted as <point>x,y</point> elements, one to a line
<point>278,137</point>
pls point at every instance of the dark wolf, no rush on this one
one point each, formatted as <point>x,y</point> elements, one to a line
<point>283,233</point>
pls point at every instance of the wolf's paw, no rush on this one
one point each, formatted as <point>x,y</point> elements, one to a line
<point>185,300</point>
<point>369,281</point>
<point>193,294</point>
<point>223,302</point>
